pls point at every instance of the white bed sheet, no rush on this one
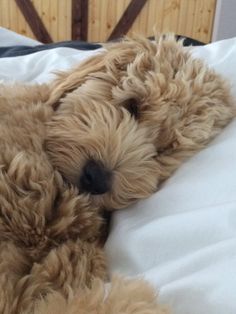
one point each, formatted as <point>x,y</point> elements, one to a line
<point>183,238</point>
<point>37,67</point>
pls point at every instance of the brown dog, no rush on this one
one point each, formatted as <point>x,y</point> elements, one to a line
<point>101,136</point>
<point>59,170</point>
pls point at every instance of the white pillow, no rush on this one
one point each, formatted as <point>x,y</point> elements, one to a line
<point>10,38</point>
<point>183,238</point>
<point>37,67</point>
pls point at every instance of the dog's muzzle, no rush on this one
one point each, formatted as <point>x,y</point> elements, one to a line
<point>95,178</point>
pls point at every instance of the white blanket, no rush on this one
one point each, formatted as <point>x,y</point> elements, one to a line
<point>182,239</point>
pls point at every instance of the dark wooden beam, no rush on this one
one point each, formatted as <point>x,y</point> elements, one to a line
<point>127,19</point>
<point>84,21</point>
<point>79,19</point>
<point>33,19</point>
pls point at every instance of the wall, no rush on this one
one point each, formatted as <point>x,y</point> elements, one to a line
<point>225,21</point>
<point>193,18</point>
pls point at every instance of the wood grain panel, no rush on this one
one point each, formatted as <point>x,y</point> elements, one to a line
<point>45,14</point>
<point>170,15</point>
<point>54,23</point>
<point>93,21</point>
<point>28,10</point>
<point>131,13</point>
<point>193,18</point>
<point>203,19</point>
<point>5,14</point>
<point>140,24</point>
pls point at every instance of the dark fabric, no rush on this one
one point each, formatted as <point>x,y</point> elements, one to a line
<point>187,41</point>
<point>190,41</point>
<point>13,51</point>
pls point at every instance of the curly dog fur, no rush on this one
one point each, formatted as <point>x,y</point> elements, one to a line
<point>182,102</point>
<point>100,137</point>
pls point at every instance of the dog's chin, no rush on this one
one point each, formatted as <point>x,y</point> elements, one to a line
<point>105,201</point>
<point>99,200</point>
<point>108,202</point>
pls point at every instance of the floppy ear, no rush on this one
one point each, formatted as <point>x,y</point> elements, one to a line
<point>68,81</point>
<point>114,59</point>
<point>25,92</point>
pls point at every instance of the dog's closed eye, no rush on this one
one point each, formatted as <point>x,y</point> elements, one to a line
<point>132,105</point>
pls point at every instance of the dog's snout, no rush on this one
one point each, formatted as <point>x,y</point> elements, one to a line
<point>95,178</point>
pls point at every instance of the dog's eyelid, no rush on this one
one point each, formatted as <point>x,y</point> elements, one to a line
<point>56,105</point>
<point>132,105</point>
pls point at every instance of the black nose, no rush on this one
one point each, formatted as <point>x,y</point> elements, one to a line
<point>95,178</point>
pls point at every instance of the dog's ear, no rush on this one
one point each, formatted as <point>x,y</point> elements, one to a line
<point>68,81</point>
<point>29,93</point>
<point>114,58</point>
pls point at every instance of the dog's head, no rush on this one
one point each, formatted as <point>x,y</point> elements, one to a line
<point>101,150</point>
<point>179,101</point>
<point>156,82</point>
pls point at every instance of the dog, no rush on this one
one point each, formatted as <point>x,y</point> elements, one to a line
<point>59,170</point>
<point>100,137</point>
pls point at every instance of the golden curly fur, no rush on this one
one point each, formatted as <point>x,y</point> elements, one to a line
<point>123,296</point>
<point>49,231</point>
<point>181,101</point>
<point>100,137</point>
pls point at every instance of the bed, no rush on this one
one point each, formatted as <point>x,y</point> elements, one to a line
<point>183,238</point>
